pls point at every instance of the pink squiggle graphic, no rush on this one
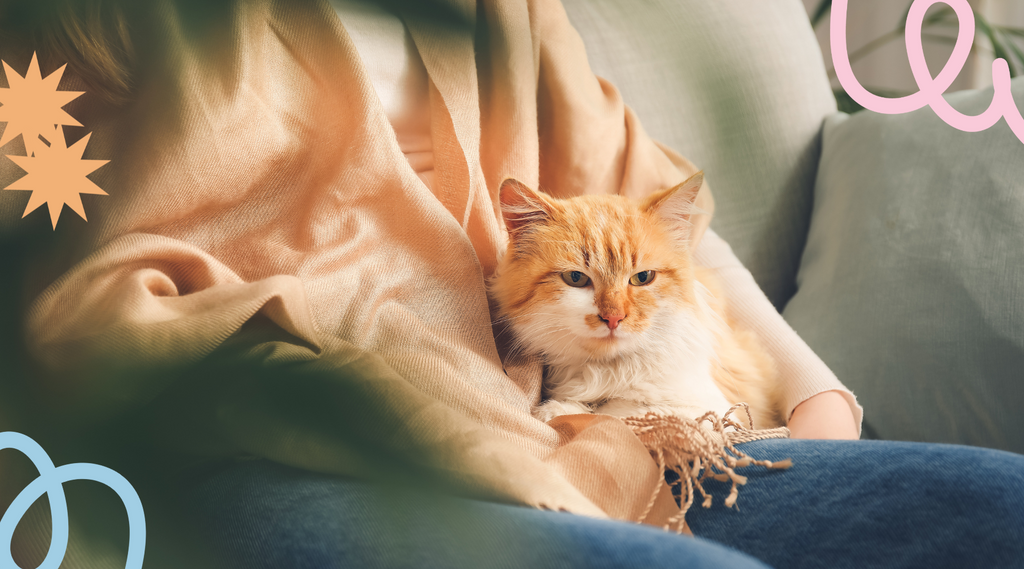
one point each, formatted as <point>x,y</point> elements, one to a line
<point>931,89</point>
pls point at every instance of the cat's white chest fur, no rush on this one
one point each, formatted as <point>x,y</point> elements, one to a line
<point>669,373</point>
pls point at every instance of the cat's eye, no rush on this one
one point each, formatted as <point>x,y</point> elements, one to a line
<point>575,278</point>
<point>642,278</point>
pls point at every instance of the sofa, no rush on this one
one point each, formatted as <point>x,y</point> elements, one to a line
<point>893,244</point>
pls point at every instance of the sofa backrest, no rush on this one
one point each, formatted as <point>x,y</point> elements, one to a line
<point>738,87</point>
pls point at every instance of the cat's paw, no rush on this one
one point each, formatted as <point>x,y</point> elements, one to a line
<point>623,408</point>
<point>551,409</point>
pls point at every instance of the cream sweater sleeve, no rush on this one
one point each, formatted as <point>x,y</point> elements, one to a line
<point>801,372</point>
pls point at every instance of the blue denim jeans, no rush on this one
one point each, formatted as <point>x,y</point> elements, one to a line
<point>875,504</point>
<point>843,504</point>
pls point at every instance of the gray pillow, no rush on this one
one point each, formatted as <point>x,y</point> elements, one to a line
<point>911,287</point>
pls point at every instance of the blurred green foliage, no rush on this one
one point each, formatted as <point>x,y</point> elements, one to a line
<point>939,25</point>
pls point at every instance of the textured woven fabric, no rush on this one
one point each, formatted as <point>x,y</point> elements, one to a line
<point>261,210</point>
<point>912,284</point>
<point>739,87</point>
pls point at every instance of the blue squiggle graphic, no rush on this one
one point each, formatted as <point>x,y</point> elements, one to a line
<point>51,482</point>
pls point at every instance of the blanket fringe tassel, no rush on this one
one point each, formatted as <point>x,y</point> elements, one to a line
<point>696,453</point>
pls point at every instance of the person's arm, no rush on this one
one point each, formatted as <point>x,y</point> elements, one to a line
<point>817,404</point>
<point>826,415</point>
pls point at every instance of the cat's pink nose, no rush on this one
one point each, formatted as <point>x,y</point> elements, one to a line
<point>612,319</point>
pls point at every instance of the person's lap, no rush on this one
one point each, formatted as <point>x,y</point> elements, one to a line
<point>262,515</point>
<point>874,504</point>
<point>842,504</point>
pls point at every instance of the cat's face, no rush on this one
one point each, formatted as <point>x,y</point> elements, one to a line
<point>594,277</point>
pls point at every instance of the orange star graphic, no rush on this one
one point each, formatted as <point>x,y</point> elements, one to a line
<point>56,176</point>
<point>32,105</point>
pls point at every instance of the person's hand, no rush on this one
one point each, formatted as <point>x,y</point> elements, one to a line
<point>826,415</point>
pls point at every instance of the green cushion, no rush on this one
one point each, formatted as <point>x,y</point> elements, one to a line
<point>739,88</point>
<point>911,287</point>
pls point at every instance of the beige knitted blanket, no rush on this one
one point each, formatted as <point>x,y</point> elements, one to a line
<point>260,211</point>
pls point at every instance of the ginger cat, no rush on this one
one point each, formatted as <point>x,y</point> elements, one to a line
<point>604,290</point>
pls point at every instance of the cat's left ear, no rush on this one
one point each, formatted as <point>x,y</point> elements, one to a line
<point>522,206</point>
<point>675,205</point>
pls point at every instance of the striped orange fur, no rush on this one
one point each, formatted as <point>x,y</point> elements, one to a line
<point>573,287</point>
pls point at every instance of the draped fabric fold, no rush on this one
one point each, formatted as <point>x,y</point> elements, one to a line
<point>257,185</point>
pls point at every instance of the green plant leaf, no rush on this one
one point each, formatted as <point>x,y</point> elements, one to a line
<point>1011,31</point>
<point>943,15</point>
<point>819,13</point>
<point>1016,51</point>
<point>906,14</point>
<point>845,103</point>
<point>936,17</point>
<point>939,38</point>
<point>998,46</point>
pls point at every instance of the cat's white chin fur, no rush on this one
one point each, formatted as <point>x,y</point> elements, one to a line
<point>665,369</point>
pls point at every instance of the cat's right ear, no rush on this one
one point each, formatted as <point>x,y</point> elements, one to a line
<point>521,206</point>
<point>675,205</point>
